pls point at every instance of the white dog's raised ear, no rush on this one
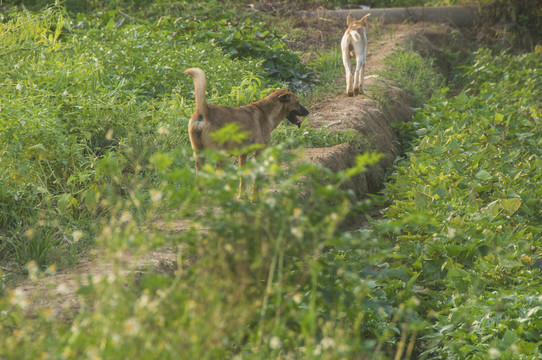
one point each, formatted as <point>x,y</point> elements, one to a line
<point>350,20</point>
<point>363,19</point>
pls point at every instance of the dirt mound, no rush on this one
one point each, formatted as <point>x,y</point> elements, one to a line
<point>374,125</point>
<point>370,119</point>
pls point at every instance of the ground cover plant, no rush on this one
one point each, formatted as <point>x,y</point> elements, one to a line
<point>449,272</point>
<point>465,213</point>
<point>79,94</point>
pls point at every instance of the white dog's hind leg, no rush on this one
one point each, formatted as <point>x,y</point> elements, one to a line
<point>346,62</point>
<point>357,74</point>
<point>358,51</point>
<point>347,71</point>
<point>363,62</point>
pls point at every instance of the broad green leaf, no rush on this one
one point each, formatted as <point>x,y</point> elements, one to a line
<point>483,175</point>
<point>64,202</point>
<point>510,206</point>
<point>509,338</point>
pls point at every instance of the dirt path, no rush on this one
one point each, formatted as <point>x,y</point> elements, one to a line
<point>339,112</point>
<point>363,113</point>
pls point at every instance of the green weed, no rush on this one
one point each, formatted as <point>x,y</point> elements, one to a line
<point>409,71</point>
<point>328,71</point>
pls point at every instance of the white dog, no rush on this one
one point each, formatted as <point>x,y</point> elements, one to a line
<point>354,44</point>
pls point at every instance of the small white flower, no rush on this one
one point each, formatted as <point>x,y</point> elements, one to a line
<point>49,313</point>
<point>51,270</point>
<point>77,235</point>
<point>317,350</point>
<point>125,216</point>
<point>18,297</point>
<point>494,353</point>
<point>143,301</point>
<point>65,93</point>
<point>275,343</point>
<point>297,232</point>
<point>163,130</point>
<point>131,326</point>
<point>327,343</point>
<point>19,87</point>
<point>42,56</point>
<point>32,267</point>
<point>297,297</point>
<point>156,195</point>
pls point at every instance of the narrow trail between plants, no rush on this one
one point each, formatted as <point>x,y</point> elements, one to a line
<point>371,119</point>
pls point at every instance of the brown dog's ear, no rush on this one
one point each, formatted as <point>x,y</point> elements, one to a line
<point>285,98</point>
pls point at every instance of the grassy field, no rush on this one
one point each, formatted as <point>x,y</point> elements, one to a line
<point>86,101</point>
<point>91,157</point>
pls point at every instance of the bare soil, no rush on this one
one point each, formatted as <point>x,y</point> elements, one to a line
<point>339,112</point>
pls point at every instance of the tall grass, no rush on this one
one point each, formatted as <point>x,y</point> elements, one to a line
<point>409,71</point>
<point>71,95</point>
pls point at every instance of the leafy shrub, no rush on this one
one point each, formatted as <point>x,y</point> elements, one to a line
<point>449,273</point>
<point>465,209</point>
<point>248,40</point>
<point>88,90</point>
<point>255,286</point>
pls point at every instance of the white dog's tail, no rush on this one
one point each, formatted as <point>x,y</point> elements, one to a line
<point>355,35</point>
<point>200,84</point>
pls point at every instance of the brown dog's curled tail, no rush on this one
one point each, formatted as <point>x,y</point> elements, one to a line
<point>200,84</point>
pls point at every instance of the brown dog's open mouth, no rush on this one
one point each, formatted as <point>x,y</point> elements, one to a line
<point>292,117</point>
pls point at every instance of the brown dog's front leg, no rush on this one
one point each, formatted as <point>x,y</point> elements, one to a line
<point>200,161</point>
<point>253,192</point>
<point>242,162</point>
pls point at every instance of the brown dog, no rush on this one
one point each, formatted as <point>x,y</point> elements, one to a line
<point>258,120</point>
